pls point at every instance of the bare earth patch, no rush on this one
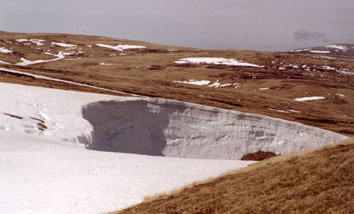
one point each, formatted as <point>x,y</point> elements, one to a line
<point>258,156</point>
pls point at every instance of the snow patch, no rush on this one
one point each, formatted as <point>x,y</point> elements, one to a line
<point>340,47</point>
<point>195,82</point>
<point>309,98</point>
<point>4,50</point>
<point>328,68</point>
<point>6,63</point>
<point>26,62</point>
<point>64,45</point>
<point>121,47</point>
<point>215,61</point>
<point>38,42</point>
<point>320,52</point>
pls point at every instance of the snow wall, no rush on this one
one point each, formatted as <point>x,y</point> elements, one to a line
<point>170,128</point>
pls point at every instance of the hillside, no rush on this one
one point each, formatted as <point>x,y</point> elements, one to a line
<point>343,50</point>
<point>319,181</point>
<point>313,89</point>
<point>150,107</point>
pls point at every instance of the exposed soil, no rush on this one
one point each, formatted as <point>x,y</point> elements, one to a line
<point>13,116</point>
<point>258,156</point>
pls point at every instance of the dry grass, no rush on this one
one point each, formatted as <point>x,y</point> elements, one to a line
<point>13,116</point>
<point>319,181</point>
<point>151,72</point>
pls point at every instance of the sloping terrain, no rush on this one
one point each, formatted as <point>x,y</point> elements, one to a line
<point>51,129</point>
<point>319,181</point>
<point>313,89</point>
<point>344,50</point>
<point>45,167</point>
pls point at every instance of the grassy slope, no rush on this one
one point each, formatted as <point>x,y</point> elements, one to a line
<point>319,181</point>
<point>309,182</point>
<point>151,72</point>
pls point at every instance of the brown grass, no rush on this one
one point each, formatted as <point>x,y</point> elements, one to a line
<point>13,116</point>
<point>151,72</point>
<point>318,181</point>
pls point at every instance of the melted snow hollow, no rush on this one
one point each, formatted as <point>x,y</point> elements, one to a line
<point>48,170</point>
<point>45,134</point>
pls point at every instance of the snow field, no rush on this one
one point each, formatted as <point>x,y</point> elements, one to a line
<point>51,171</point>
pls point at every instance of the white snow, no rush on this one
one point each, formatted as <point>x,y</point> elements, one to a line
<point>103,63</point>
<point>39,175</point>
<point>340,47</point>
<point>215,61</point>
<point>225,85</point>
<point>216,84</point>
<point>294,111</point>
<point>50,171</point>
<point>64,45</point>
<point>341,95</point>
<point>263,89</point>
<point>38,42</point>
<point>44,172</point>
<point>345,72</point>
<point>320,52</point>
<point>328,68</point>
<point>208,83</point>
<point>281,68</point>
<point>309,98</point>
<point>121,47</point>
<point>4,50</point>
<point>194,82</point>
<point>26,62</point>
<point>6,63</point>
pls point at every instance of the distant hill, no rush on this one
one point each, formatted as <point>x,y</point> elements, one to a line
<point>328,49</point>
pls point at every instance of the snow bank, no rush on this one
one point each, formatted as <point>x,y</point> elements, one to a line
<point>178,129</point>
<point>44,171</point>
<point>47,170</point>
<point>215,61</point>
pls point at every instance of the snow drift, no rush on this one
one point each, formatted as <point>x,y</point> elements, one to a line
<point>163,127</point>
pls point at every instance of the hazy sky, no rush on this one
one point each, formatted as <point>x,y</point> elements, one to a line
<point>273,25</point>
